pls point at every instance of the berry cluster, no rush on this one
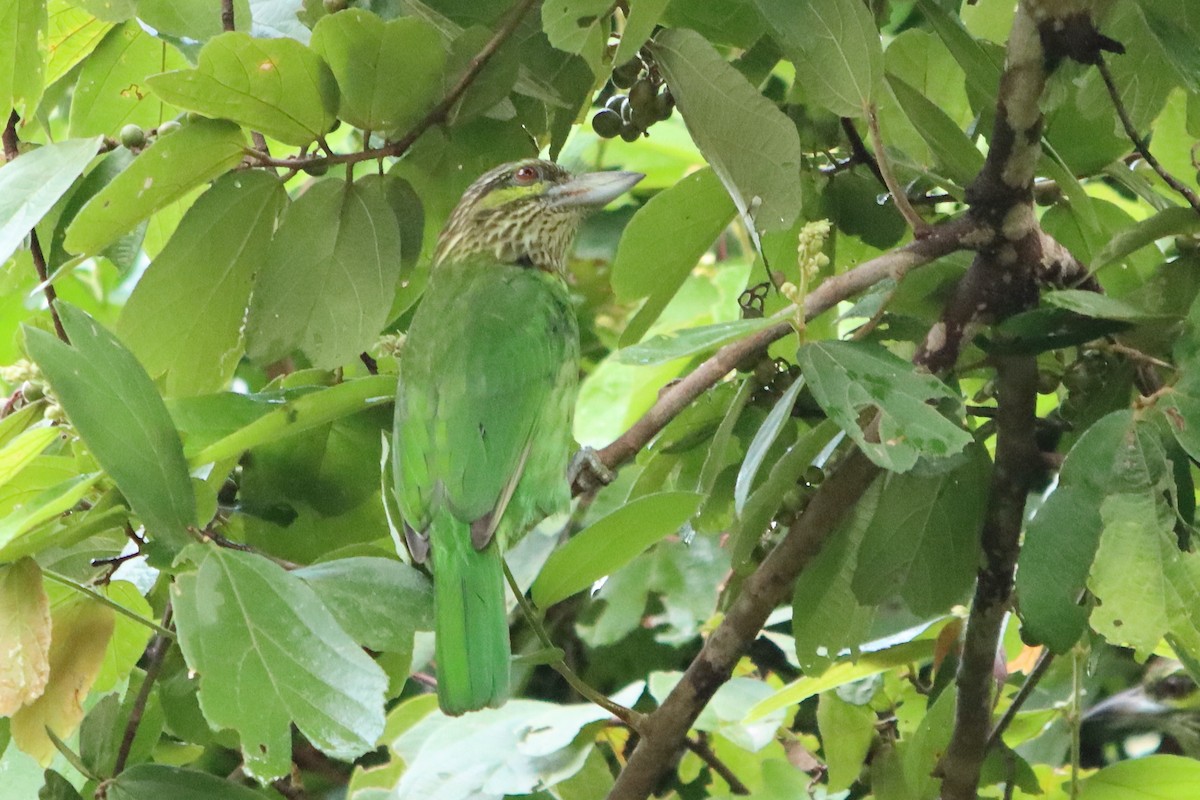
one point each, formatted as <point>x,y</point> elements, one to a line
<point>630,115</point>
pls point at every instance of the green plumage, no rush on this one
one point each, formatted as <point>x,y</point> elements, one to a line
<point>483,408</point>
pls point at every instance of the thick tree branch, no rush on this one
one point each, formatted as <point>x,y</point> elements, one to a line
<point>664,731</point>
<point>436,116</point>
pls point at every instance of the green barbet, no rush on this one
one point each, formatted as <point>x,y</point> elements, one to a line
<point>487,388</point>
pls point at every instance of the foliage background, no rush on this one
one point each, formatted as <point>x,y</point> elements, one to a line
<point>201,589</point>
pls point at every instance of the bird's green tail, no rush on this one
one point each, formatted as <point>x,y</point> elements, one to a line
<point>472,645</point>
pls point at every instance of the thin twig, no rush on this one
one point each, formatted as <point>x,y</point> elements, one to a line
<point>899,196</point>
<point>1139,143</point>
<point>227,19</point>
<point>1023,694</point>
<point>437,115</point>
<point>115,606</point>
<point>700,747</point>
<point>155,654</point>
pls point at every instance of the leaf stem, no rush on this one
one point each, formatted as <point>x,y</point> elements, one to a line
<point>115,606</point>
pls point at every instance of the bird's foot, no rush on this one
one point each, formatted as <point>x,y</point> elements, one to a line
<point>587,472</point>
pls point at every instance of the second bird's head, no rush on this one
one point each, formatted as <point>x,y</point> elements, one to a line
<point>527,213</point>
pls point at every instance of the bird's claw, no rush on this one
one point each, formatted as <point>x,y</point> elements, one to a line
<point>587,472</point>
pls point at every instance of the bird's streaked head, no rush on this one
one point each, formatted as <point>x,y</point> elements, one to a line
<point>526,212</point>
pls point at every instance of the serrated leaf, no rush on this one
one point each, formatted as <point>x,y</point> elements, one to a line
<point>610,543</point>
<point>378,601</point>
<point>847,377</point>
<point>272,639</point>
<point>184,318</point>
<point>922,542</point>
<point>165,171</point>
<point>835,47</point>
<point>24,635</point>
<point>79,632</point>
<point>32,184</point>
<point>111,91</point>
<point>752,145</point>
<point>654,266</point>
<point>119,414</point>
<point>22,67</point>
<point>277,86</point>
<point>156,781</point>
<point>329,277</point>
<point>389,73</point>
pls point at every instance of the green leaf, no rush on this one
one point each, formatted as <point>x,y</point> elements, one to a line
<point>1168,222</point>
<point>45,506</point>
<point>156,781</point>
<point>113,404</point>
<point>389,73</point>
<point>184,318</point>
<point>846,734</point>
<point>22,68</point>
<point>1092,304</point>
<point>979,64</point>
<point>1157,777</point>
<point>329,277</point>
<point>252,630</point>
<point>691,341</point>
<point>1176,26</point>
<point>378,601</point>
<point>22,450</point>
<point>642,17</point>
<point>952,151</point>
<point>32,184</point>
<point>163,173</point>
<point>199,20</point>
<point>277,86</point>
<point>24,635</point>
<point>72,35</point>
<point>610,543</point>
<point>846,377</point>
<point>111,91</point>
<point>835,47</point>
<point>752,145</point>
<point>651,265</point>
<point>923,541</point>
<point>764,438</point>
<point>575,25</point>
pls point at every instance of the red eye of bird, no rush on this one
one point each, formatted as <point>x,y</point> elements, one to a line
<point>525,175</point>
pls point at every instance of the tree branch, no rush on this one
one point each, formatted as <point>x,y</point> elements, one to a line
<point>665,730</point>
<point>154,656</point>
<point>437,115</point>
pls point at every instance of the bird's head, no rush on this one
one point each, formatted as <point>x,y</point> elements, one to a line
<point>526,212</point>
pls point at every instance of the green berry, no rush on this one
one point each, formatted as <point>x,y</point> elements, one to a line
<point>624,76</point>
<point>132,136</point>
<point>168,127</point>
<point>607,123</point>
<point>317,168</point>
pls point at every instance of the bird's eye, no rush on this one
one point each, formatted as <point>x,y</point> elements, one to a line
<point>524,176</point>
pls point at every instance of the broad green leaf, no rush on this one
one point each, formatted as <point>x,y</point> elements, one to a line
<point>491,85</point>
<point>1168,222</point>
<point>80,629</point>
<point>184,318</point>
<point>1176,26</point>
<point>157,781</point>
<point>835,47</point>
<point>513,750</point>
<point>575,25</point>
<point>691,341</point>
<point>19,453</point>
<point>643,16</point>
<point>651,265</point>
<point>752,146</point>
<point>725,713</point>
<point>1092,304</point>
<point>1157,777</point>
<point>272,639</point>
<point>378,601</point>
<point>45,506</point>
<point>72,34</point>
<point>329,277</point>
<point>846,734</point>
<point>764,438</point>
<point>1139,75</point>
<point>847,377</point>
<point>111,91</point>
<point>952,151</point>
<point>277,86</point>
<point>113,404</point>
<point>610,543</point>
<point>24,635</point>
<point>163,173</point>
<point>22,67</point>
<point>198,20</point>
<point>106,167</point>
<point>923,541</point>
<point>32,184</point>
<point>389,73</point>
<point>982,68</point>
<point>129,638</point>
<point>109,10</point>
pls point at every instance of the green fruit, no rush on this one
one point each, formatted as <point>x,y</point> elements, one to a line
<point>1048,382</point>
<point>32,391</point>
<point>168,127</point>
<point>317,168</point>
<point>630,132</point>
<point>664,104</point>
<point>624,76</point>
<point>132,136</point>
<point>606,123</point>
